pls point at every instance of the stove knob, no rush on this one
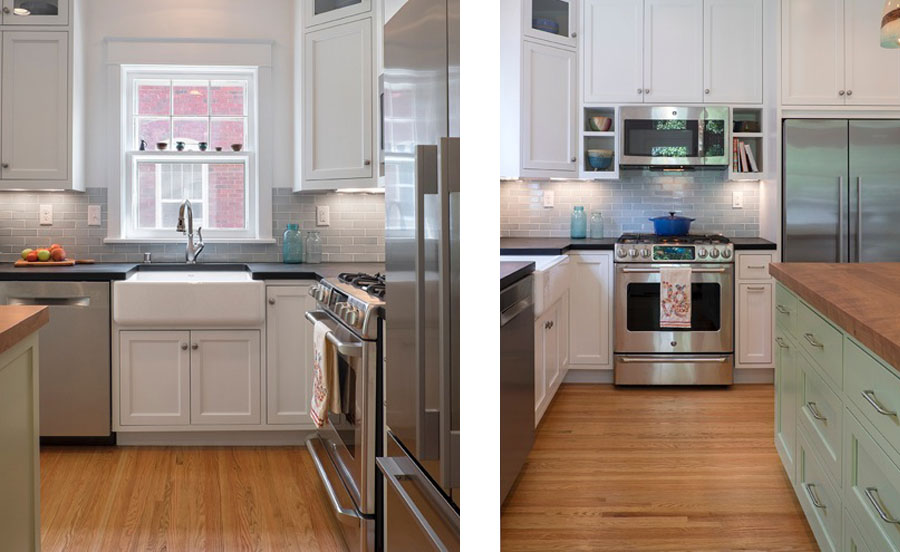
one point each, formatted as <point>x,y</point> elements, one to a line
<point>633,252</point>
<point>714,253</point>
<point>621,252</point>
<point>701,252</point>
<point>353,317</point>
<point>645,253</point>
<point>726,253</point>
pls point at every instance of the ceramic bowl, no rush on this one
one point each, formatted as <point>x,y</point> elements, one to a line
<point>545,24</point>
<point>601,124</point>
<point>162,146</point>
<point>600,159</point>
<point>237,147</point>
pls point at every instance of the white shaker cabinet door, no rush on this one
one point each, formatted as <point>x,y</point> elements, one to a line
<point>812,52</point>
<point>754,340</point>
<point>613,44</point>
<point>540,369</point>
<point>733,51</point>
<point>225,374</point>
<point>673,51</point>
<point>591,316</point>
<point>549,135</point>
<point>288,355</point>
<point>154,378</point>
<point>872,73</point>
<point>35,106</point>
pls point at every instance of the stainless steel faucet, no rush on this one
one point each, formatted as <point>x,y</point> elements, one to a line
<point>192,250</point>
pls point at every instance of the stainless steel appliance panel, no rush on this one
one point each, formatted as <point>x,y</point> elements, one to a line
<point>816,198</point>
<point>874,190</point>
<point>673,369</point>
<point>75,388</point>
<point>357,529</point>
<point>516,380</point>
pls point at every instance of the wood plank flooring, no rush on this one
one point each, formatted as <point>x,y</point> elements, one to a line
<point>659,469</point>
<point>184,499</point>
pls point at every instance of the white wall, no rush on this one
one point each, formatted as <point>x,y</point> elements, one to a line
<point>207,19</point>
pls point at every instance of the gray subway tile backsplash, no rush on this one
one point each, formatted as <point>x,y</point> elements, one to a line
<point>628,203</point>
<point>356,233</point>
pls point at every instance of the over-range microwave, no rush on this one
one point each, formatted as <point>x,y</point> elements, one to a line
<point>667,136</point>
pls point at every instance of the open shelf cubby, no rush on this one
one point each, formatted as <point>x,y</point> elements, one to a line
<point>592,139</point>
<point>747,130</point>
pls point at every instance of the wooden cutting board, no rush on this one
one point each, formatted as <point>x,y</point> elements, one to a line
<point>20,263</point>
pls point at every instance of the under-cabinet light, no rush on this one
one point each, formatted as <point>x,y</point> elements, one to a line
<point>21,11</point>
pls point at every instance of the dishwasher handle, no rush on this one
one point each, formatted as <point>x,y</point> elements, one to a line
<point>83,302</point>
<point>514,311</point>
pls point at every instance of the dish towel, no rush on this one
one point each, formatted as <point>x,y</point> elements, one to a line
<point>675,298</point>
<point>326,392</point>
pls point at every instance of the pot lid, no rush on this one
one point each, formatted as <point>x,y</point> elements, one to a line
<point>673,216</point>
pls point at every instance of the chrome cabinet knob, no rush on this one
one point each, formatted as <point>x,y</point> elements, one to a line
<point>195,346</point>
<point>574,159</point>
<point>840,92</point>
<point>849,92</point>
<point>574,35</point>
<point>5,165</point>
<point>646,91</point>
<point>706,91</point>
<point>271,300</point>
<point>184,346</point>
<point>6,10</point>
<point>367,162</point>
<point>640,90</point>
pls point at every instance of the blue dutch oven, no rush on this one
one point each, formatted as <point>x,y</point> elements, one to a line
<point>672,225</point>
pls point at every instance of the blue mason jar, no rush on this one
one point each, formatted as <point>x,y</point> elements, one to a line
<point>292,248</point>
<point>579,223</point>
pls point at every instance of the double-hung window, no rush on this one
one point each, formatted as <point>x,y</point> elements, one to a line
<point>189,134</point>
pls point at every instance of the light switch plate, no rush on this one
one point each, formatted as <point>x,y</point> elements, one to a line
<point>323,215</point>
<point>548,198</point>
<point>93,215</point>
<point>737,200</point>
<point>46,215</point>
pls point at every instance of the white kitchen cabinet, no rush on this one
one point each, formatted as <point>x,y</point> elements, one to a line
<point>551,352</point>
<point>613,53</point>
<point>590,327</point>
<point>34,116</point>
<point>540,369</point>
<point>552,20</point>
<point>733,51</point>
<point>673,47</point>
<point>563,322</point>
<point>812,52</point>
<point>288,355</point>
<point>549,134</point>
<point>154,378</point>
<point>872,73</point>
<point>29,12</point>
<point>754,343</point>
<point>317,12</point>
<point>338,107</point>
<point>787,398</point>
<point>225,377</point>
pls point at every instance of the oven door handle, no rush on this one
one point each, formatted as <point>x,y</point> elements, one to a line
<point>675,359</point>
<point>656,270</point>
<point>332,495</point>
<point>354,350</point>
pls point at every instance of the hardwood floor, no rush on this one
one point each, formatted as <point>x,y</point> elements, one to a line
<point>183,499</point>
<point>658,469</point>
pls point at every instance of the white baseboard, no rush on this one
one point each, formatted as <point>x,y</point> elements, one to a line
<point>741,375</point>
<point>215,439</point>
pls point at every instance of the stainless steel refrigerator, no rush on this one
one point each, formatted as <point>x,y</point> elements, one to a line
<point>420,153</point>
<point>841,190</point>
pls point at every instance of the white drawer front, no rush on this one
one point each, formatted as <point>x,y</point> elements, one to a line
<point>754,266</point>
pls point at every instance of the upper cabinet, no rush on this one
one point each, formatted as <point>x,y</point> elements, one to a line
<point>35,12</point>
<point>733,51</point>
<point>553,20</point>
<point>613,54</point>
<point>325,11</point>
<point>673,43</point>
<point>831,54</point>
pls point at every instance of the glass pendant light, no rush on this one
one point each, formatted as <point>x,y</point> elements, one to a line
<point>890,24</point>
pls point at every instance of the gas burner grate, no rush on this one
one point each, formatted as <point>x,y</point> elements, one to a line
<point>370,283</point>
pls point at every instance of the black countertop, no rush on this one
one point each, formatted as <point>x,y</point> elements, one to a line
<point>513,271</point>
<point>560,246</point>
<point>104,272</point>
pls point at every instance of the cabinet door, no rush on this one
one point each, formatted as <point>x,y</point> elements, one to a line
<point>590,328</point>
<point>553,20</point>
<point>323,11</point>
<point>540,370</point>
<point>613,53</point>
<point>225,377</point>
<point>31,12</point>
<point>338,96</point>
<point>35,106</point>
<point>548,110</point>
<point>562,320</point>
<point>787,396</point>
<point>288,355</point>
<point>551,352</point>
<point>732,51</point>
<point>755,323</point>
<point>673,51</point>
<point>154,378</point>
<point>872,73</point>
<point>812,52</point>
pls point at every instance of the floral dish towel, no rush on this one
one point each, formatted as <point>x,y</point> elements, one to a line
<point>675,298</point>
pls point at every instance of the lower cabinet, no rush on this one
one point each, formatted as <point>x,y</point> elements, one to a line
<point>288,355</point>
<point>820,501</point>
<point>787,388</point>
<point>591,319</point>
<point>225,374</point>
<point>754,298</point>
<point>551,354</point>
<point>853,540</point>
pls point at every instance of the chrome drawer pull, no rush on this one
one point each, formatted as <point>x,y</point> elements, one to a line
<point>781,343</point>
<point>815,411</point>
<point>782,309</point>
<point>871,495</point>
<point>756,288</point>
<point>869,395</point>
<point>757,267</point>
<point>812,496</point>
<point>813,341</point>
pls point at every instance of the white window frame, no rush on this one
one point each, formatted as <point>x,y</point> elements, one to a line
<point>130,228</point>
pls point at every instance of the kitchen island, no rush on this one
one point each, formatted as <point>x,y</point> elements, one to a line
<point>19,461</point>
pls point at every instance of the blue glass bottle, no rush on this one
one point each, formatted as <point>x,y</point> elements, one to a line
<point>292,248</point>
<point>578,228</point>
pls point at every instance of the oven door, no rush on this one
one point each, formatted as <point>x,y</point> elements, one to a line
<point>637,310</point>
<point>675,136</point>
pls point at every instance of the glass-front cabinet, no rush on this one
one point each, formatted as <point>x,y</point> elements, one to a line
<point>323,11</point>
<point>553,20</point>
<point>36,12</point>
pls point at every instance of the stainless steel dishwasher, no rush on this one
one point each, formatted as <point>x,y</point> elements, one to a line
<point>74,356</point>
<point>516,380</point>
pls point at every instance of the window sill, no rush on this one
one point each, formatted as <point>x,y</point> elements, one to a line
<point>184,240</point>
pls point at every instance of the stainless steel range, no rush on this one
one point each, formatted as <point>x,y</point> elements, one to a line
<point>645,352</point>
<point>344,450</point>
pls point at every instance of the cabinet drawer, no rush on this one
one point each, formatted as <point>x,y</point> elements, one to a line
<point>754,267</point>
<point>787,309</point>
<point>875,390</point>
<point>823,342</point>
<point>821,411</point>
<point>819,499</point>
<point>853,539</point>
<point>871,487</point>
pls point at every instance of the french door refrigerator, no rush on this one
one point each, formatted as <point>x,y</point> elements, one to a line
<point>420,153</point>
<point>841,190</point>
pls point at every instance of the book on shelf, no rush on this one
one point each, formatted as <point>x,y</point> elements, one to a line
<point>751,158</point>
<point>745,164</point>
<point>735,159</point>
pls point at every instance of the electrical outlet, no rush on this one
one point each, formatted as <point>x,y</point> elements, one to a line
<point>46,215</point>
<point>548,198</point>
<point>323,215</point>
<point>737,200</point>
<point>93,215</point>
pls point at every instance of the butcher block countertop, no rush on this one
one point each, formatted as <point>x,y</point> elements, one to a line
<point>861,298</point>
<point>18,322</point>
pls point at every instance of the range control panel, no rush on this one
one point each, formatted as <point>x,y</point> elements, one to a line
<point>667,253</point>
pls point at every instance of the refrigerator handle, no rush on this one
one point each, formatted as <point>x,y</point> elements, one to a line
<point>859,219</point>
<point>840,232</point>
<point>426,184</point>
